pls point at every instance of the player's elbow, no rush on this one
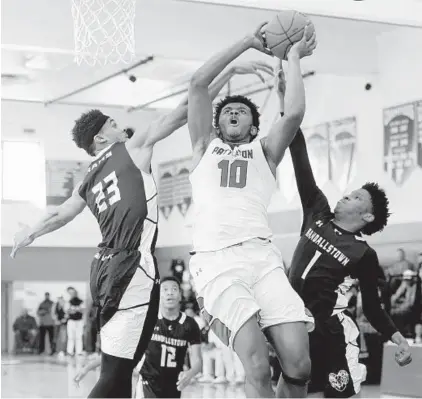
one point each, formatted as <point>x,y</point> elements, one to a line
<point>294,116</point>
<point>198,81</point>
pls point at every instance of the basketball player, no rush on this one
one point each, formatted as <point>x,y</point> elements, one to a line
<point>330,254</point>
<point>121,193</point>
<point>161,368</point>
<point>237,271</point>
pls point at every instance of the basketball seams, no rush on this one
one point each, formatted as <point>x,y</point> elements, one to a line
<point>284,37</point>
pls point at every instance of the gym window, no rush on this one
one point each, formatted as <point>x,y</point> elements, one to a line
<point>23,172</point>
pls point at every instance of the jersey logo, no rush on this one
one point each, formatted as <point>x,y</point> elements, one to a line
<point>319,223</point>
<point>338,232</point>
<point>359,238</point>
<point>340,380</point>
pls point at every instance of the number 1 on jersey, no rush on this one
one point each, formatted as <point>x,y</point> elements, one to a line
<point>310,264</point>
<point>234,174</point>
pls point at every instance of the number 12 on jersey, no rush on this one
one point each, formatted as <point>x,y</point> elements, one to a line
<point>168,356</point>
<point>233,174</point>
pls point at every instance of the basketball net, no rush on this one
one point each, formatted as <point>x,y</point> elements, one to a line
<point>104,31</point>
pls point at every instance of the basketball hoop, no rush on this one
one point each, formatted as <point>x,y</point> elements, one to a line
<point>104,31</point>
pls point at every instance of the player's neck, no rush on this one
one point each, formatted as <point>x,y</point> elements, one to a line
<point>170,314</point>
<point>346,225</point>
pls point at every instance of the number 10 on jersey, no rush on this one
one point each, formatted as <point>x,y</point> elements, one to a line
<point>233,174</point>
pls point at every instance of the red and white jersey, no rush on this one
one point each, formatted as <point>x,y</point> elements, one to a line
<point>231,190</point>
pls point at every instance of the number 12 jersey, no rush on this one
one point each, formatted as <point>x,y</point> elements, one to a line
<point>232,188</point>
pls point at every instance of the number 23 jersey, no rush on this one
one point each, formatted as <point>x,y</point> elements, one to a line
<point>122,198</point>
<point>232,188</point>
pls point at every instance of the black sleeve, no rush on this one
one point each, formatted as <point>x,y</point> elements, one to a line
<point>367,272</point>
<point>194,333</point>
<point>314,202</point>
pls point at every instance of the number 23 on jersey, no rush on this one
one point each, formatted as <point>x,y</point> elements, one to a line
<point>106,192</point>
<point>233,174</point>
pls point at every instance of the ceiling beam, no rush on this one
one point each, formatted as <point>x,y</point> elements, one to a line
<point>89,86</point>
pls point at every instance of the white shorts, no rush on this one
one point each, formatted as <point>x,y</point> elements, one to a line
<point>237,282</point>
<point>122,334</point>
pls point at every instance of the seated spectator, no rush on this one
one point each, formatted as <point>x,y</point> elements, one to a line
<point>25,329</point>
<point>405,303</point>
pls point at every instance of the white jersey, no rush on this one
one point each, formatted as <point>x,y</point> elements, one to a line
<point>231,191</point>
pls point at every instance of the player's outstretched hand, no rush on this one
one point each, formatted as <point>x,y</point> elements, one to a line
<point>80,375</point>
<point>22,239</point>
<point>183,381</point>
<point>305,46</point>
<point>258,39</point>
<point>403,355</point>
<point>257,68</point>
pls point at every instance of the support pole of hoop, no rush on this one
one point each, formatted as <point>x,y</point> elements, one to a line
<point>89,86</point>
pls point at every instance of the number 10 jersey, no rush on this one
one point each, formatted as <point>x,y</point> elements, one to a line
<point>231,190</point>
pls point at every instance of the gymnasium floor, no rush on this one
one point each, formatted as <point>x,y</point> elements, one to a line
<point>46,377</point>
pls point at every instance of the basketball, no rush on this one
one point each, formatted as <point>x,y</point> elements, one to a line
<point>284,30</point>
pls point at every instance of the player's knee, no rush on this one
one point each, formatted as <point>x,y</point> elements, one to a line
<point>258,369</point>
<point>298,371</point>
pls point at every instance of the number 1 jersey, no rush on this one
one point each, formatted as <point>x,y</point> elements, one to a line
<point>231,188</point>
<point>122,199</point>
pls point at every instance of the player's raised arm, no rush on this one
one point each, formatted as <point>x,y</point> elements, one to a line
<point>371,305</point>
<point>312,198</point>
<point>292,105</point>
<point>52,221</point>
<point>200,111</point>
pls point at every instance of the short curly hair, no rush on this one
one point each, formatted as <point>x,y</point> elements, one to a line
<point>86,128</point>
<point>237,99</point>
<point>380,209</point>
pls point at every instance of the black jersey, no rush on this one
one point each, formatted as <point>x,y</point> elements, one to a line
<point>165,355</point>
<point>328,258</point>
<point>117,192</point>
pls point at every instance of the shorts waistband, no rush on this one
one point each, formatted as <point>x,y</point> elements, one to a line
<point>114,251</point>
<point>234,245</point>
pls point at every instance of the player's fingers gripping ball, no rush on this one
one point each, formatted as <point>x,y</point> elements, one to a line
<point>286,29</point>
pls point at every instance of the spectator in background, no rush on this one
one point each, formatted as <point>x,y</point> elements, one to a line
<point>25,329</point>
<point>419,263</point>
<point>405,303</point>
<point>75,323</point>
<point>60,334</point>
<point>177,268</point>
<point>45,314</point>
<point>395,271</point>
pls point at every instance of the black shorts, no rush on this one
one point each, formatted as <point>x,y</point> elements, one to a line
<point>334,351</point>
<point>127,301</point>
<point>162,389</point>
